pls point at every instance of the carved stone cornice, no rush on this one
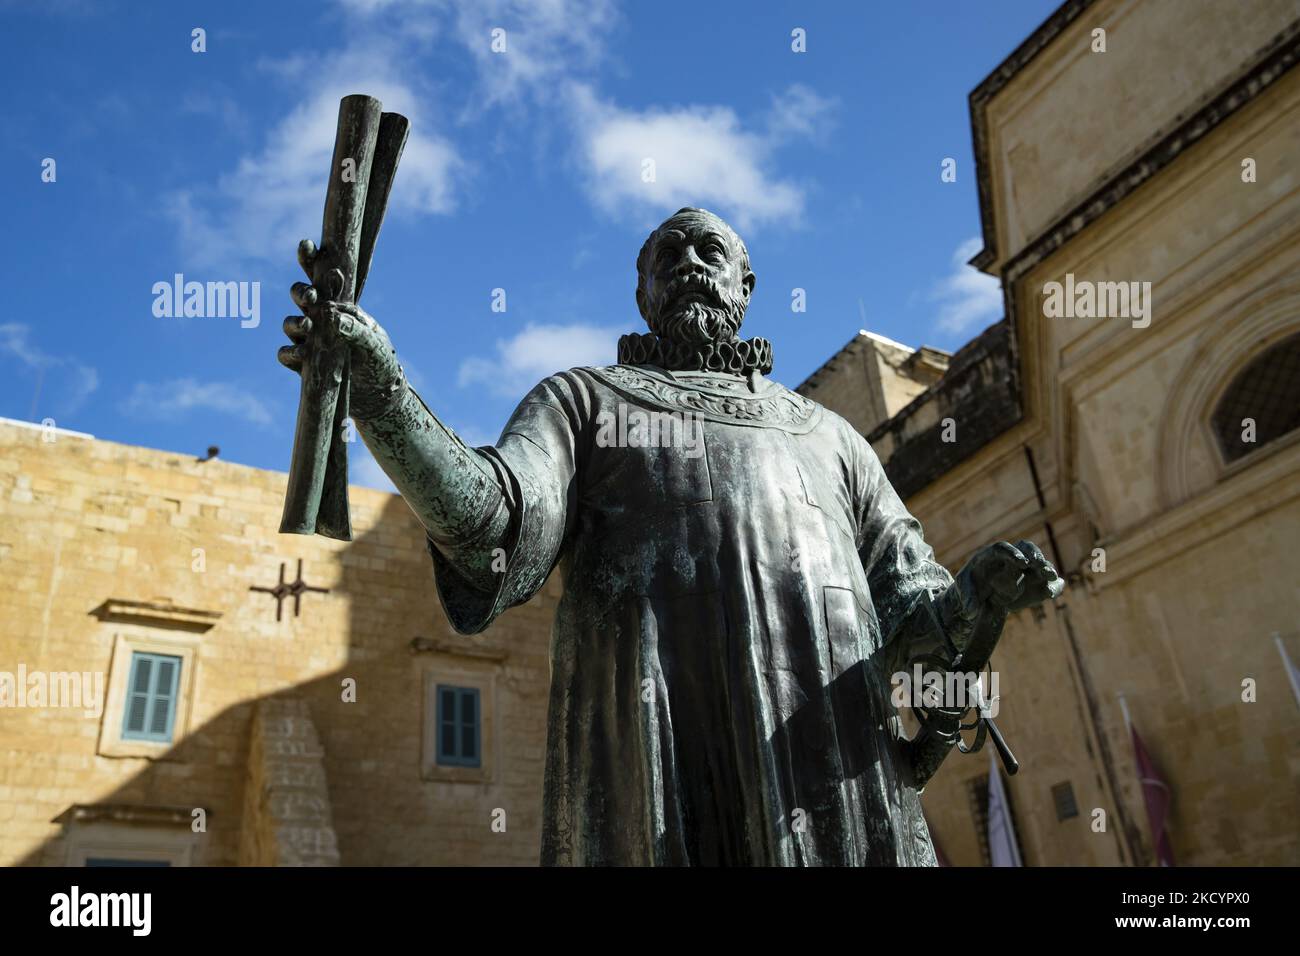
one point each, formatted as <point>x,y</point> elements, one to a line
<point>980,97</point>
<point>138,815</point>
<point>156,614</point>
<point>1272,65</point>
<point>432,645</point>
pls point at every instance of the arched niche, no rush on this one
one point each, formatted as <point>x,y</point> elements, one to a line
<point>1190,458</point>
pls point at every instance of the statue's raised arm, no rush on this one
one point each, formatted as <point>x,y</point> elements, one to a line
<point>451,488</point>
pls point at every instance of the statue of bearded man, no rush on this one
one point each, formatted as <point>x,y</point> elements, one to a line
<point>740,580</point>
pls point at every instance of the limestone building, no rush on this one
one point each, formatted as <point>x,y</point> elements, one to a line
<point>1155,458</point>
<point>233,725</point>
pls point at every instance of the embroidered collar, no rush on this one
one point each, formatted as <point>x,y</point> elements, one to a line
<point>755,400</point>
<point>740,357</point>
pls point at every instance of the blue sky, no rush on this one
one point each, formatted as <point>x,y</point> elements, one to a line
<point>524,172</point>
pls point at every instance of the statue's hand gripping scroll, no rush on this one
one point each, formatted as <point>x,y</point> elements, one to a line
<point>452,488</point>
<point>376,380</point>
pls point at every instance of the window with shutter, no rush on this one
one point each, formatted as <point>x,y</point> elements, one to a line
<point>1063,798</point>
<point>459,726</point>
<point>151,697</point>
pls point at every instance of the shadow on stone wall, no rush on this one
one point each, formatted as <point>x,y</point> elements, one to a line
<point>301,776</point>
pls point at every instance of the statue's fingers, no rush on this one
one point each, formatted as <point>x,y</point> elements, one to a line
<point>307,256</point>
<point>292,356</point>
<point>1047,581</point>
<point>1031,551</point>
<point>1042,583</point>
<point>297,327</point>
<point>1045,571</point>
<point>304,296</point>
<point>347,323</point>
<point>1010,553</point>
<point>351,319</point>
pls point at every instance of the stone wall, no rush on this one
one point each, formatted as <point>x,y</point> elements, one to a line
<point>871,378</point>
<point>103,544</point>
<point>978,389</point>
<point>287,819</point>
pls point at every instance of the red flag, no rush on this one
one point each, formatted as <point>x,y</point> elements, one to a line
<point>1157,795</point>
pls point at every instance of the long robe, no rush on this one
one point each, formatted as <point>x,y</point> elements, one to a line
<point>721,655</point>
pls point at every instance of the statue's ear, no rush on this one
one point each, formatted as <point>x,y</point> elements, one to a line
<point>748,282</point>
<point>641,303</point>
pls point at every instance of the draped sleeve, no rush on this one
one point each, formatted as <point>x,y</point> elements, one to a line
<point>536,462</point>
<point>902,572</point>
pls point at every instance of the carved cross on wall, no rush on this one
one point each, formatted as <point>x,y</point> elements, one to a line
<point>293,589</point>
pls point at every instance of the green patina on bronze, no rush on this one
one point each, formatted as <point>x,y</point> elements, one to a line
<point>368,145</point>
<point>733,607</point>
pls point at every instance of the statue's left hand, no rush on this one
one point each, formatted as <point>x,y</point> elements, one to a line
<point>376,374</point>
<point>1014,577</point>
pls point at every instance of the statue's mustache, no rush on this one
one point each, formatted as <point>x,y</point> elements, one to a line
<point>705,287</point>
<point>694,308</point>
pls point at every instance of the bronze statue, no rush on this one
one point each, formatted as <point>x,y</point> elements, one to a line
<point>740,580</point>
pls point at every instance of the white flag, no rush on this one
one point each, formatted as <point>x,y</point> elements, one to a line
<point>1291,671</point>
<point>1003,850</point>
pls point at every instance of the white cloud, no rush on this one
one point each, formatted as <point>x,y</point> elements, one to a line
<point>14,341</point>
<point>169,401</point>
<point>545,40</point>
<point>966,295</point>
<point>259,210</point>
<point>74,381</point>
<point>799,111</point>
<point>273,198</point>
<point>536,352</point>
<point>702,155</point>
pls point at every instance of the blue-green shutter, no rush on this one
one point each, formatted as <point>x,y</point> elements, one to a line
<point>459,726</point>
<point>151,697</point>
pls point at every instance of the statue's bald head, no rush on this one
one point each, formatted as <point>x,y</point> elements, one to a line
<point>693,278</point>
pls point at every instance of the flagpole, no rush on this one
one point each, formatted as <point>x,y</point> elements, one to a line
<point>1128,731</point>
<point>1292,674</point>
<point>1003,849</point>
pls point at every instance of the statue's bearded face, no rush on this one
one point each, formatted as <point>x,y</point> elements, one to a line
<point>694,279</point>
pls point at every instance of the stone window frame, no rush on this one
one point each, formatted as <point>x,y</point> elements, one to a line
<point>480,675</point>
<point>1253,324</point>
<point>129,841</point>
<point>125,645</point>
<point>1227,377</point>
